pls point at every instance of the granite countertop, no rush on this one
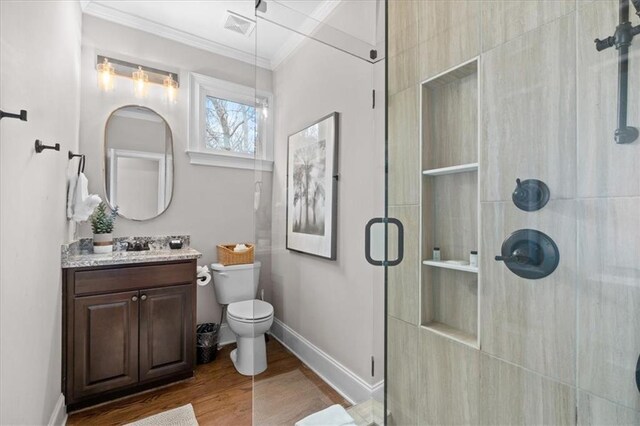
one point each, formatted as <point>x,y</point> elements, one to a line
<point>79,254</point>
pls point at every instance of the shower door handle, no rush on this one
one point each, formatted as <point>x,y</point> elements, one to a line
<point>367,241</point>
<point>638,374</point>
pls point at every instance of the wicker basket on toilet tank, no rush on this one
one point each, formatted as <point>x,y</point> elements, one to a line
<point>226,255</point>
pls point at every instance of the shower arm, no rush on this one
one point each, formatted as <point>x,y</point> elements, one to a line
<point>622,40</point>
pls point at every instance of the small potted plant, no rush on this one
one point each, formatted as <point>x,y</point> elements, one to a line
<point>102,225</point>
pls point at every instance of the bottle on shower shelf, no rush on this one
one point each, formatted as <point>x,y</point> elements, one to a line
<point>473,259</point>
<point>436,254</point>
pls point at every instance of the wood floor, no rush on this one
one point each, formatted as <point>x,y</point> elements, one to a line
<point>285,393</point>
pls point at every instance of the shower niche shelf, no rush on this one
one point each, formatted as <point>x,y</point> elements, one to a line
<point>462,168</point>
<point>445,265</point>
<point>450,203</point>
<point>452,333</point>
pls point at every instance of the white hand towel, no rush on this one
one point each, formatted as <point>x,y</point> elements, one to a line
<point>83,203</point>
<point>71,194</point>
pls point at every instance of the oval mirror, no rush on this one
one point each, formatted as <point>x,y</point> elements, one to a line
<point>138,162</point>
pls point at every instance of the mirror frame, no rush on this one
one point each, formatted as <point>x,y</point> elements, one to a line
<point>105,165</point>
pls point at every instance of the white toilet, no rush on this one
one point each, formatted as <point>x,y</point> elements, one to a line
<point>248,318</point>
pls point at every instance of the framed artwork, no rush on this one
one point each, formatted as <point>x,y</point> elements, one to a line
<point>312,188</point>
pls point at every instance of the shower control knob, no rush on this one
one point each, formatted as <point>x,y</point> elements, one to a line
<point>520,193</point>
<point>530,195</point>
<point>530,254</point>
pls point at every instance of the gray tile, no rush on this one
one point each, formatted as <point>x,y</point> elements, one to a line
<point>604,167</point>
<point>529,109</point>
<point>403,281</point>
<point>449,382</point>
<point>402,29</point>
<point>404,148</point>
<point>594,411</point>
<point>402,364</point>
<point>455,214</point>
<point>510,395</point>
<point>451,298</point>
<point>530,322</point>
<point>609,298</point>
<point>449,34</point>
<point>403,40</point>
<point>402,14</point>
<point>450,123</point>
<point>402,71</point>
<point>503,20</point>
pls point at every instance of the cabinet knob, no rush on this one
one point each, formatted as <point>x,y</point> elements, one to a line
<point>143,297</point>
<point>134,298</point>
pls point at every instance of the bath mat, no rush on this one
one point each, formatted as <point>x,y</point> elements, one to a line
<point>181,416</point>
<point>286,398</point>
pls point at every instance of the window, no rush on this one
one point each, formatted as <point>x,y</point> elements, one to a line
<point>229,125</point>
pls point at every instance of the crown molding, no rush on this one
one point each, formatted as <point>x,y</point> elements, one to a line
<point>113,15</point>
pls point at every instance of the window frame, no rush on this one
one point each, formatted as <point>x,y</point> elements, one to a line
<point>201,87</point>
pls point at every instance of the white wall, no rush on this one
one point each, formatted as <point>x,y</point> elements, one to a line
<point>39,72</point>
<point>212,204</point>
<point>336,305</point>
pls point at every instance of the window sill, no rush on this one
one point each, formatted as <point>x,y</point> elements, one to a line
<point>231,161</point>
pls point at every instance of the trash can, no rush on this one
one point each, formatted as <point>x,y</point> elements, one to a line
<point>207,342</point>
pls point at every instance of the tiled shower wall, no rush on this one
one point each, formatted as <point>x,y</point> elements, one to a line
<point>560,350</point>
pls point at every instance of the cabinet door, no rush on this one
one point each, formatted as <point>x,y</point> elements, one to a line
<point>105,342</point>
<point>167,331</point>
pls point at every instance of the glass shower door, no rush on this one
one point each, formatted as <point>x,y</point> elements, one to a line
<point>321,67</point>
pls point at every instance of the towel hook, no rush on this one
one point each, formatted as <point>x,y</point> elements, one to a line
<point>41,147</point>
<point>22,115</point>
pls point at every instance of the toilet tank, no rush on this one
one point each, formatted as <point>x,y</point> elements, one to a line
<point>235,283</point>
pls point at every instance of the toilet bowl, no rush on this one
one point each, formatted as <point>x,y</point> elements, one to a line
<point>250,320</point>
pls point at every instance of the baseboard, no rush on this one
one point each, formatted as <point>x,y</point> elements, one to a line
<point>340,378</point>
<point>377,392</point>
<point>59,414</point>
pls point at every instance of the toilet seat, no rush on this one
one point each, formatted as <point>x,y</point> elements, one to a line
<point>250,311</point>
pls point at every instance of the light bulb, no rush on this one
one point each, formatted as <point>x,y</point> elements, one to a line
<point>106,76</point>
<point>140,80</point>
<point>170,89</point>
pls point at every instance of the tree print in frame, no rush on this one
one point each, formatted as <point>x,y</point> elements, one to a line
<point>312,188</point>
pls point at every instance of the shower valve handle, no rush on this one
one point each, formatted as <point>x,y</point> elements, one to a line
<point>520,256</point>
<point>513,258</point>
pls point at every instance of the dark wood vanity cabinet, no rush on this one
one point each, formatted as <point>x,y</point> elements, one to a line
<point>166,332</point>
<point>127,328</point>
<point>105,344</point>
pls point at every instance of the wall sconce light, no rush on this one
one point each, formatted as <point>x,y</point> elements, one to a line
<point>170,89</point>
<point>140,80</point>
<point>142,77</point>
<point>106,76</point>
